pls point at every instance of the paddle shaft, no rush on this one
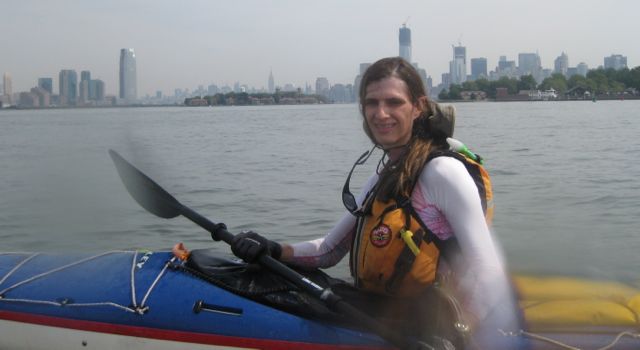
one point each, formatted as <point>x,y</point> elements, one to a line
<point>332,300</point>
<point>159,202</point>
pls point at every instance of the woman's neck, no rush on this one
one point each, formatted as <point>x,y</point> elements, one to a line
<point>395,152</point>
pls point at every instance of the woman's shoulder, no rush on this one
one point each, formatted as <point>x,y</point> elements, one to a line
<point>444,172</point>
<point>443,166</point>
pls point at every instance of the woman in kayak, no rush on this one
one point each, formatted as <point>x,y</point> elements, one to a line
<point>418,219</point>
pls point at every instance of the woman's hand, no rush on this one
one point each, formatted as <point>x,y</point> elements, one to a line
<point>249,246</point>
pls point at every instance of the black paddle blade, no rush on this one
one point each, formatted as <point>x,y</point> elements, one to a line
<point>145,191</point>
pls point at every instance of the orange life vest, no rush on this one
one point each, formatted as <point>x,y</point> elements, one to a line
<point>393,251</point>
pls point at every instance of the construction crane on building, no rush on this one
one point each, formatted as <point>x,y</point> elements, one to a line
<point>404,24</point>
<point>453,46</point>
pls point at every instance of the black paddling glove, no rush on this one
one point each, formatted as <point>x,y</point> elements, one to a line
<point>249,246</point>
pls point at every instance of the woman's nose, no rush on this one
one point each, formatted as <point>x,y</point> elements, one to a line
<point>381,111</point>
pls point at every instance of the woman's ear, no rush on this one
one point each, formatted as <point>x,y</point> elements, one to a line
<point>423,104</point>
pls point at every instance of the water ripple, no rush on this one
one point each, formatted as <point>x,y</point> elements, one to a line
<point>502,172</point>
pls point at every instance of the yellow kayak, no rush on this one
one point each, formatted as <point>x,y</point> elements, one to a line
<point>579,313</point>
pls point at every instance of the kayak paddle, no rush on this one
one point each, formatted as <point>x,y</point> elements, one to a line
<point>159,202</point>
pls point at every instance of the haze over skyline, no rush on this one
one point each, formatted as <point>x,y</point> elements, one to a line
<point>200,42</point>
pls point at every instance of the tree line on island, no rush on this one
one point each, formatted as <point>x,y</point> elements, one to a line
<point>263,98</point>
<point>597,82</point>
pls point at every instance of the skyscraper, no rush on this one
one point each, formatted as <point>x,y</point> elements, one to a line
<point>506,68</point>
<point>479,68</point>
<point>529,63</point>
<point>322,86</point>
<point>424,77</point>
<point>615,61</point>
<point>7,90</point>
<point>458,67</point>
<point>6,83</point>
<point>561,64</point>
<point>272,84</point>
<point>446,79</point>
<point>405,43</point>
<point>85,75</point>
<point>85,85</point>
<point>128,86</point>
<point>97,87</point>
<point>364,67</point>
<point>503,63</point>
<point>582,69</point>
<point>358,80</point>
<point>46,84</point>
<point>68,83</point>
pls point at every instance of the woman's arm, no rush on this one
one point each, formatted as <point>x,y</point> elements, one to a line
<point>322,252</point>
<point>329,250</point>
<point>447,185</point>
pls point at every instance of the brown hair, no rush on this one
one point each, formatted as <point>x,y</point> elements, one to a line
<point>400,180</point>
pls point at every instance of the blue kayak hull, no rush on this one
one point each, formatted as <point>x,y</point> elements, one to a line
<point>138,294</point>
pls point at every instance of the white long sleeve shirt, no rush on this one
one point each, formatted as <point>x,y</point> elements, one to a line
<point>447,200</point>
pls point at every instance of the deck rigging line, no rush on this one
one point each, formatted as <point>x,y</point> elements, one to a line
<point>140,309</point>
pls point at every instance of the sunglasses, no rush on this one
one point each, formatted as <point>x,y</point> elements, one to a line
<point>348,199</point>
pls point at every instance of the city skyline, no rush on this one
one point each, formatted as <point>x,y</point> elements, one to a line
<point>178,47</point>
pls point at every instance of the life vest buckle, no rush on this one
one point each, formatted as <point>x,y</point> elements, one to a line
<point>404,202</point>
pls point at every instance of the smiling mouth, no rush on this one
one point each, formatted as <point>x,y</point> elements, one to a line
<point>384,127</point>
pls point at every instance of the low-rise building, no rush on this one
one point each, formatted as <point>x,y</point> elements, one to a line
<point>197,102</point>
<point>473,95</point>
<point>28,100</point>
<point>44,97</point>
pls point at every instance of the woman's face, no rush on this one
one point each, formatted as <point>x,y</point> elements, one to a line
<point>389,112</point>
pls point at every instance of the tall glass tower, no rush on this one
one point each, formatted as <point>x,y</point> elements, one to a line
<point>128,89</point>
<point>458,67</point>
<point>405,43</point>
<point>68,87</point>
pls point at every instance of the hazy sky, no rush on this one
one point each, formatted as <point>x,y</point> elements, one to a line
<point>183,44</point>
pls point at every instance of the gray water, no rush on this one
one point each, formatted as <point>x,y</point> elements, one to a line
<point>565,177</point>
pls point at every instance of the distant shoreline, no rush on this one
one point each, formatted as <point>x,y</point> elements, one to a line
<point>599,98</point>
<point>605,98</point>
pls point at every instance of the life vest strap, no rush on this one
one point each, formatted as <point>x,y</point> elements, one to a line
<point>405,260</point>
<point>403,263</point>
<point>473,167</point>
